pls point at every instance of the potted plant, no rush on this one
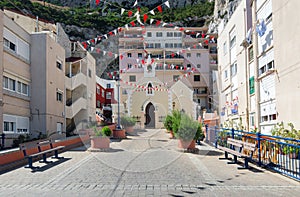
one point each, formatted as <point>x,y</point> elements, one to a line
<point>188,132</point>
<point>176,119</point>
<point>100,139</point>
<point>289,137</point>
<point>168,123</point>
<point>128,123</point>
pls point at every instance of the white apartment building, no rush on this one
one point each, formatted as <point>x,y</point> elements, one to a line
<point>267,64</point>
<point>264,75</point>
<point>233,67</point>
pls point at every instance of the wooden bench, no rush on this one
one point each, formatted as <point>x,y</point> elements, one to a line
<point>240,149</point>
<point>41,148</point>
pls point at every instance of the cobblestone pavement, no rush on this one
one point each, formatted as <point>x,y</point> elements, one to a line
<point>146,164</point>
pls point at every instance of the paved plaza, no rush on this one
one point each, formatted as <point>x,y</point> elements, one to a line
<point>146,164</point>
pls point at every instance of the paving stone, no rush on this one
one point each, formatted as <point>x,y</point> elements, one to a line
<point>148,164</point>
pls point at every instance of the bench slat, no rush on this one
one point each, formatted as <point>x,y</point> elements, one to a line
<point>249,146</point>
<point>39,145</point>
<point>231,151</point>
<point>240,145</point>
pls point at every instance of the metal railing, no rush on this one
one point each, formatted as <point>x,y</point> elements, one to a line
<point>277,153</point>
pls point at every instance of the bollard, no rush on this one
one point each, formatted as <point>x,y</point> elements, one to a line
<point>2,140</point>
<point>206,133</point>
<point>216,137</point>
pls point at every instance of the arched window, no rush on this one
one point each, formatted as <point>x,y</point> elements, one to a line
<point>149,89</point>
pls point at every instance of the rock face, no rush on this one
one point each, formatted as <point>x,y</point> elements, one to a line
<point>125,3</point>
<point>222,12</point>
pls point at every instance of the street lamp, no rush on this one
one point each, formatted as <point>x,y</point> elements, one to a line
<point>118,98</point>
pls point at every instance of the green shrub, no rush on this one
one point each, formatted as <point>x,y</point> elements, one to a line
<point>168,122</point>
<point>176,119</point>
<point>188,129</point>
<point>106,131</point>
<point>127,121</point>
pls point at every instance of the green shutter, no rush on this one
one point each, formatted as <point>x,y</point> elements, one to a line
<point>251,85</point>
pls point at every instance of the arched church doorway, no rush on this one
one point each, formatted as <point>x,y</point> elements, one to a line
<point>150,116</point>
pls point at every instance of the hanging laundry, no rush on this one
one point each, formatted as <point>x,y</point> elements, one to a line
<point>261,28</point>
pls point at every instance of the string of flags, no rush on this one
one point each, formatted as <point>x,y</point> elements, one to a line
<point>208,39</point>
<point>165,66</point>
<point>137,15</point>
<point>205,39</point>
<point>88,44</point>
<point>142,88</point>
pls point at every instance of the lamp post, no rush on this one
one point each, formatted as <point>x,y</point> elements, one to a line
<point>118,98</point>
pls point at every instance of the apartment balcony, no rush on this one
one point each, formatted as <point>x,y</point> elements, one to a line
<point>200,94</point>
<point>157,56</point>
<point>213,51</point>
<point>130,37</point>
<point>75,81</point>
<point>131,46</point>
<point>192,38</point>
<point>79,104</point>
<point>194,46</point>
<point>213,63</point>
<point>154,49</point>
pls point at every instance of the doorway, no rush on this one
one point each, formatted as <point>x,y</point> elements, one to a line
<point>150,116</point>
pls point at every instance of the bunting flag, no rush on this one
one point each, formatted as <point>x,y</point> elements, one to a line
<point>122,11</point>
<point>137,14</point>
<point>129,13</point>
<point>159,8</point>
<point>145,18</point>
<point>157,22</point>
<point>132,23</point>
<point>135,3</point>
<point>167,4</point>
<point>84,45</point>
<point>97,2</point>
<point>139,20</point>
<point>152,12</point>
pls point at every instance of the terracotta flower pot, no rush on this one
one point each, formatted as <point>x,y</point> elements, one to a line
<point>187,144</point>
<point>119,133</point>
<point>172,135</point>
<point>100,142</point>
<point>129,129</point>
<point>293,155</point>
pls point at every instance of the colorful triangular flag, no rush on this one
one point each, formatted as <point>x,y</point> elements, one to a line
<point>167,4</point>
